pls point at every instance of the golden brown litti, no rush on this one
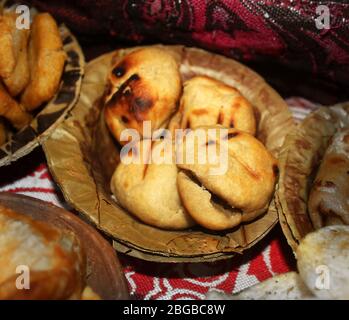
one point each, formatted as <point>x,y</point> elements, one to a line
<point>145,85</point>
<point>238,190</point>
<point>149,190</point>
<point>206,101</point>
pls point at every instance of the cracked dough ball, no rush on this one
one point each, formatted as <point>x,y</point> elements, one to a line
<point>240,193</point>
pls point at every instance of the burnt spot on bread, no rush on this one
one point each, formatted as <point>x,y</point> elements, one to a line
<point>145,170</point>
<point>119,93</point>
<point>142,104</point>
<point>239,100</point>
<point>124,119</point>
<point>275,170</point>
<point>138,106</point>
<point>199,112</point>
<point>231,124</point>
<point>251,172</point>
<point>231,135</point>
<point>119,70</point>
<point>127,92</point>
<point>134,77</point>
<point>187,124</point>
<point>132,99</point>
<point>220,119</point>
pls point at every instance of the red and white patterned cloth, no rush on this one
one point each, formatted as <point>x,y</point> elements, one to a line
<point>164,281</point>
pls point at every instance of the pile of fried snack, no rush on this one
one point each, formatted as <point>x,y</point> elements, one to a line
<point>146,85</point>
<point>31,64</point>
<point>40,261</point>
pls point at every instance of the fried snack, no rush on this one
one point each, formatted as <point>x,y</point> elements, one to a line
<point>3,133</point>
<point>149,191</point>
<point>18,78</point>
<point>328,202</point>
<point>145,85</point>
<point>286,286</point>
<point>206,101</point>
<point>11,110</point>
<point>46,61</point>
<point>7,52</point>
<point>54,258</point>
<point>241,193</point>
<point>323,259</point>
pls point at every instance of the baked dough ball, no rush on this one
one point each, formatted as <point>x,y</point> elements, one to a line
<point>323,259</point>
<point>12,111</point>
<point>55,259</point>
<point>328,201</point>
<point>46,60</point>
<point>145,85</point>
<point>149,191</point>
<point>223,199</point>
<point>14,62</point>
<point>206,101</point>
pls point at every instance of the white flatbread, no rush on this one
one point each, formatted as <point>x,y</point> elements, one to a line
<point>323,262</point>
<point>287,286</point>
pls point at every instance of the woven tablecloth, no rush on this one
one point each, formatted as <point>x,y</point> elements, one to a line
<point>148,280</point>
